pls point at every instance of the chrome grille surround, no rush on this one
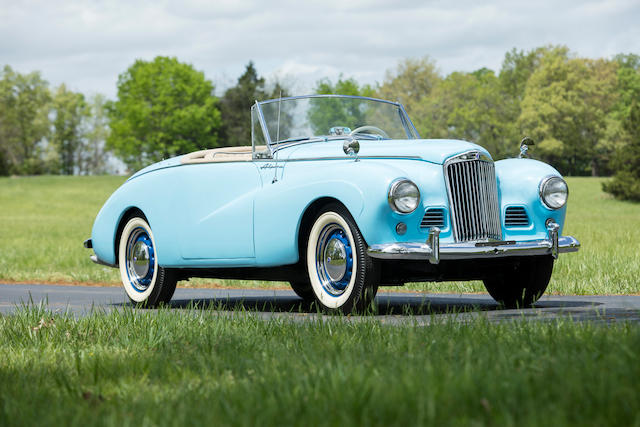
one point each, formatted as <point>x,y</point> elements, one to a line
<point>473,197</point>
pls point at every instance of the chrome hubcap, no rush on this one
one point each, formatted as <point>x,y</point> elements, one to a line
<point>140,259</point>
<point>334,259</point>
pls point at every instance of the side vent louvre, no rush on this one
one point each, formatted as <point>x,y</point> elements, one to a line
<point>516,216</point>
<point>434,217</point>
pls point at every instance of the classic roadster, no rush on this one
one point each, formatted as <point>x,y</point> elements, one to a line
<point>337,195</point>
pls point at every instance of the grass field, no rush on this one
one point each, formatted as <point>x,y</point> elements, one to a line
<point>43,221</point>
<point>197,368</point>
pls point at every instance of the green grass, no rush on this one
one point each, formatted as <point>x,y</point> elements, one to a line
<point>43,221</point>
<point>194,367</point>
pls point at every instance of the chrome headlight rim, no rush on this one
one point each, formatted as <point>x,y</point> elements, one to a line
<point>543,185</point>
<point>394,187</point>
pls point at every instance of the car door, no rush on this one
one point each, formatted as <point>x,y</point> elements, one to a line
<point>218,207</point>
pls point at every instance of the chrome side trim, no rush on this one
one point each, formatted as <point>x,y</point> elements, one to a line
<point>469,250</point>
<point>97,260</point>
<point>303,159</point>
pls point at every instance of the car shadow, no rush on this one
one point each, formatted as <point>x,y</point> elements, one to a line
<point>386,304</point>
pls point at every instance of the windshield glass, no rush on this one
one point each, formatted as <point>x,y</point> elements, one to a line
<point>299,119</point>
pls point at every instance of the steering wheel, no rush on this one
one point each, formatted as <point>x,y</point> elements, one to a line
<point>371,128</point>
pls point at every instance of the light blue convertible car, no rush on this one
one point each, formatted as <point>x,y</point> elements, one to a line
<point>337,195</point>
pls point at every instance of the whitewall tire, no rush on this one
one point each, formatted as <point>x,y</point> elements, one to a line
<point>144,281</point>
<point>342,276</point>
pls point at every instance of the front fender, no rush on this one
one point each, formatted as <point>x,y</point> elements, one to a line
<point>360,186</point>
<point>518,185</point>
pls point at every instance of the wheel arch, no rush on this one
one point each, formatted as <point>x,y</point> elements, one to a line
<point>127,214</point>
<point>307,220</point>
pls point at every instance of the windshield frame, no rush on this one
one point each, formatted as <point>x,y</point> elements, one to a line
<point>410,129</point>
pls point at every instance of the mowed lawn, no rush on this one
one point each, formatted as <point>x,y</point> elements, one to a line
<point>44,220</point>
<point>200,368</point>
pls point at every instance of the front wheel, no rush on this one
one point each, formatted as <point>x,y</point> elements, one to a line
<point>144,281</point>
<point>522,283</point>
<point>342,275</point>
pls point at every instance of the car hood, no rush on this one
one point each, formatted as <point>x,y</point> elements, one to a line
<point>430,150</point>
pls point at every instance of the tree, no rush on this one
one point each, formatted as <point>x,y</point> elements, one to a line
<point>70,111</point>
<point>624,131</point>
<point>164,108</point>
<point>469,106</point>
<point>95,134</point>
<point>236,103</point>
<point>413,80</point>
<point>625,184</point>
<point>24,124</point>
<point>565,110</point>
<point>343,87</point>
<point>326,113</point>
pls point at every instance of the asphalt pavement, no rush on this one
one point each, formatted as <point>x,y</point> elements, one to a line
<point>392,307</point>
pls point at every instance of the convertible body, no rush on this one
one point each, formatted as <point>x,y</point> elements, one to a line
<point>422,209</point>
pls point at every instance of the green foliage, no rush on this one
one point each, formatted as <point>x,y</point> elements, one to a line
<point>411,82</point>
<point>95,133</point>
<point>343,87</point>
<point>625,184</point>
<point>327,113</point>
<point>70,110</point>
<point>24,122</point>
<point>469,106</point>
<point>565,109</point>
<point>236,105</point>
<point>164,108</point>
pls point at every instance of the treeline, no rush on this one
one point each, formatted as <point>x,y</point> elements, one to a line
<point>582,113</point>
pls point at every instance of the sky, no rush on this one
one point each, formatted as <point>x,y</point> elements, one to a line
<point>86,44</point>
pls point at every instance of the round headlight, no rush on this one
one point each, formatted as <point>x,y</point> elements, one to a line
<point>404,196</point>
<point>554,192</point>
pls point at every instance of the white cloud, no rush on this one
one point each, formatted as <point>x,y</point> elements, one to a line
<point>87,44</point>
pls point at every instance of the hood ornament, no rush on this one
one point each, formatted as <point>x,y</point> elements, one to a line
<point>524,147</point>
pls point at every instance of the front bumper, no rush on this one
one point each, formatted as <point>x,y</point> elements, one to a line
<point>433,251</point>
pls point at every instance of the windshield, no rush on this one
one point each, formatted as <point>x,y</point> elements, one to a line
<point>334,117</point>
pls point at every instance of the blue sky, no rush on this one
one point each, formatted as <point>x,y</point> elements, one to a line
<point>86,44</point>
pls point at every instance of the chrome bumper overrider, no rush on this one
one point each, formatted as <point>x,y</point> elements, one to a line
<point>433,251</point>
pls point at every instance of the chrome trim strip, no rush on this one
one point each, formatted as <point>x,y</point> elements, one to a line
<point>408,119</point>
<point>97,260</point>
<point>270,101</point>
<point>339,158</point>
<point>263,125</point>
<point>469,250</point>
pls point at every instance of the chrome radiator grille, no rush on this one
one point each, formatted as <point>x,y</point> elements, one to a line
<point>473,195</point>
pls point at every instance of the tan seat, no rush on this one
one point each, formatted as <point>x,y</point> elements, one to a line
<point>224,154</point>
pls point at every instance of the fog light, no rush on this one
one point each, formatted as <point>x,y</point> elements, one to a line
<point>401,228</point>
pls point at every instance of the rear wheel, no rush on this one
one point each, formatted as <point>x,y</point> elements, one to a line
<point>522,283</point>
<point>144,281</point>
<point>342,275</point>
